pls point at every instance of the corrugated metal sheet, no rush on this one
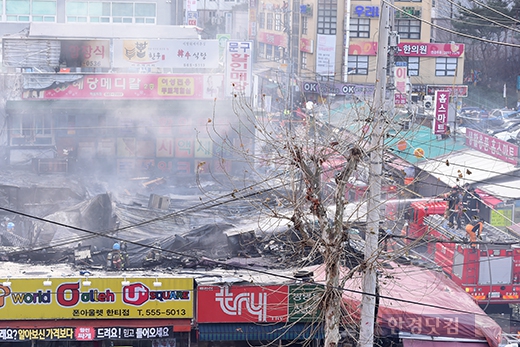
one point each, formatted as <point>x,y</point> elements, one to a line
<point>468,166</point>
<point>31,53</point>
<point>108,31</point>
<point>259,332</point>
<point>506,190</point>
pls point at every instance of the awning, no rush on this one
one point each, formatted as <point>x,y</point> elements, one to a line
<point>488,199</point>
<point>468,166</point>
<point>259,332</point>
<point>429,343</point>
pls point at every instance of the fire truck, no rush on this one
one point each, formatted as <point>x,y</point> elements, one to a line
<point>488,270</point>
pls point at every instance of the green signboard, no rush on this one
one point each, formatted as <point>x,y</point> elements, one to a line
<point>304,302</point>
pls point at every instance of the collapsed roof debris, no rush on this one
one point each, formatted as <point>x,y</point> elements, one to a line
<point>170,231</point>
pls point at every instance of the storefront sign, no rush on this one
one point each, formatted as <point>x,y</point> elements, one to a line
<point>134,86</point>
<point>411,49</point>
<point>93,53</point>
<point>408,12</point>
<point>86,333</point>
<point>338,89</point>
<point>273,39</point>
<point>367,11</point>
<point>239,68</point>
<point>306,45</point>
<point>492,146</point>
<point>460,91</point>
<point>242,304</point>
<point>304,303</point>
<point>440,121</point>
<point>400,77</point>
<point>105,298</point>
<point>177,54</point>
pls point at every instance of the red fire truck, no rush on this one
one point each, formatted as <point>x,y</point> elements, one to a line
<point>488,270</point>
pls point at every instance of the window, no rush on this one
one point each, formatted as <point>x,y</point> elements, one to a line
<point>269,52</point>
<point>277,53</point>
<point>261,20</point>
<point>358,64</point>
<point>99,12</point>
<point>29,130</point>
<point>411,63</point>
<point>304,60</point>
<point>278,21</point>
<point>107,12</point>
<point>261,50</point>
<point>30,11</point>
<point>327,17</point>
<point>445,66</point>
<point>122,12</point>
<point>145,13</point>
<point>305,25</point>
<point>409,28</point>
<point>359,27</point>
<point>269,25</point>
<point>77,11</point>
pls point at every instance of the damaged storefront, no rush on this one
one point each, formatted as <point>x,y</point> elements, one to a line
<point>272,314</point>
<point>96,312</point>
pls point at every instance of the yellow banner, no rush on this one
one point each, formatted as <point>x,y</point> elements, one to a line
<point>102,298</point>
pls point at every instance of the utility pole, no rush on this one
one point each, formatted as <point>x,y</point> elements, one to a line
<point>347,40</point>
<point>368,300</point>
<point>288,112</point>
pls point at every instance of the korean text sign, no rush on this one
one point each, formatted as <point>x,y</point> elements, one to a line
<point>239,68</point>
<point>178,54</point>
<point>128,86</point>
<point>440,121</point>
<point>105,298</point>
<point>492,146</point>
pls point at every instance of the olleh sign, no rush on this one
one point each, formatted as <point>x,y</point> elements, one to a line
<point>105,298</point>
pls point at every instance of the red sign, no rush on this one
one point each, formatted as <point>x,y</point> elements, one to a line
<point>442,102</point>
<point>487,144</point>
<point>455,90</point>
<point>411,49</point>
<point>306,45</point>
<point>272,39</point>
<point>242,304</point>
<point>132,86</point>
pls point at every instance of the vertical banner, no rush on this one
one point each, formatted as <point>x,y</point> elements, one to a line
<point>239,65</point>
<point>400,96</point>
<point>191,7</point>
<point>326,54</point>
<point>440,121</point>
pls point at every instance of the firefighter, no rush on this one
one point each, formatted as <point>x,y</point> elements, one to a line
<point>471,203</point>
<point>474,231</point>
<point>116,259</point>
<point>454,208</point>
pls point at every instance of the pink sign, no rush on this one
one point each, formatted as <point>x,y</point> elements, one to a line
<point>487,144</point>
<point>272,39</point>
<point>132,86</point>
<point>440,121</point>
<point>411,49</point>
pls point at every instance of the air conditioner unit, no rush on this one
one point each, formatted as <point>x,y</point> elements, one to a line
<point>428,102</point>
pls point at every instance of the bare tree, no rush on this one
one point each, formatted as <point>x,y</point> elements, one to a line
<point>305,167</point>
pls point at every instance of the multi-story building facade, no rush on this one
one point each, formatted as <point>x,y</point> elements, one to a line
<point>316,44</point>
